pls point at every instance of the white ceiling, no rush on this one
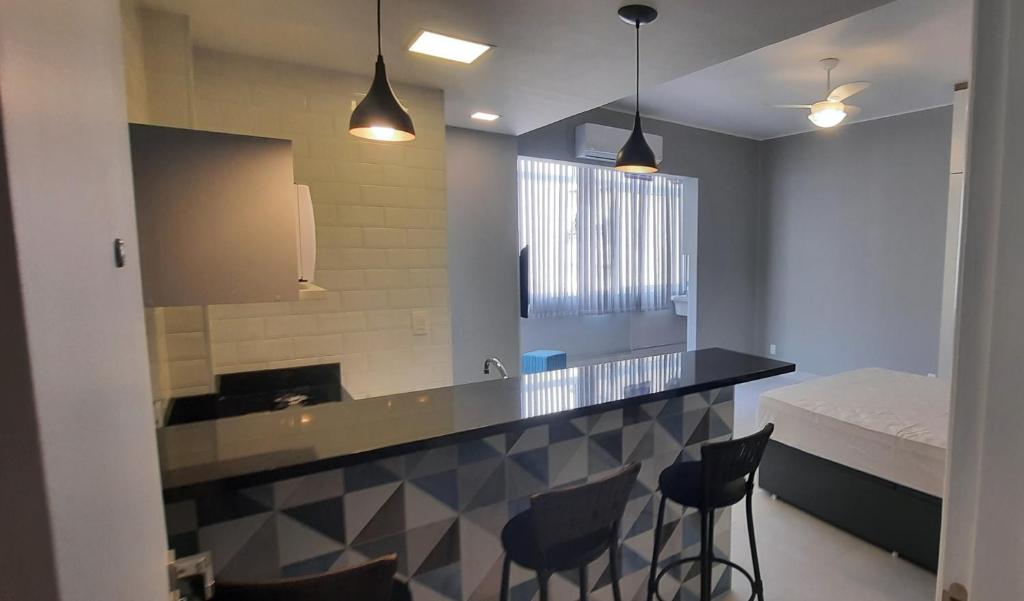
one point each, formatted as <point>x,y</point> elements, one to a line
<point>912,52</point>
<point>552,58</point>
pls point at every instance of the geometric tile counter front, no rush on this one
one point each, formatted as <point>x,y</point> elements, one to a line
<point>441,508</point>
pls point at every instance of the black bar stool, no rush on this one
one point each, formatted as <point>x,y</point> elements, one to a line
<point>567,528</point>
<point>723,477</point>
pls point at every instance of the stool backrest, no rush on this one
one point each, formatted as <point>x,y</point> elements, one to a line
<point>577,519</point>
<point>373,581</point>
<point>730,460</point>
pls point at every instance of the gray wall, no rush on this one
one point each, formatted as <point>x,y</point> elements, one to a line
<point>851,249</point>
<point>727,169</point>
<point>483,242</point>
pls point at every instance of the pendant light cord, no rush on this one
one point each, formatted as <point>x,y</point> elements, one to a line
<point>638,67</point>
<point>378,29</point>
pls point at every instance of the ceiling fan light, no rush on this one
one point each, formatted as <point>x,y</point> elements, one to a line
<point>827,114</point>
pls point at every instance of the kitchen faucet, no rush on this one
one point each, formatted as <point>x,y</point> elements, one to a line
<point>498,364</point>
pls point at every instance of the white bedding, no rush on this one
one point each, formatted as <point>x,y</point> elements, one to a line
<point>887,423</point>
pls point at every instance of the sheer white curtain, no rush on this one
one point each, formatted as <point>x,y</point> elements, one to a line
<point>600,241</point>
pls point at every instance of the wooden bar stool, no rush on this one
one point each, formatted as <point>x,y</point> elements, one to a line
<point>567,528</point>
<point>371,581</point>
<point>724,476</point>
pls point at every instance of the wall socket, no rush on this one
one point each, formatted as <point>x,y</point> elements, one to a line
<point>771,349</point>
<point>419,323</point>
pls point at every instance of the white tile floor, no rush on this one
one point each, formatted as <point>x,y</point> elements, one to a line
<point>805,559</point>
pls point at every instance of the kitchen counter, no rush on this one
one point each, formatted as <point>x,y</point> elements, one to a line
<point>355,431</point>
<point>434,475</point>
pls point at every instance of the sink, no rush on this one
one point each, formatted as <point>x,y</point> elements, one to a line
<point>682,303</point>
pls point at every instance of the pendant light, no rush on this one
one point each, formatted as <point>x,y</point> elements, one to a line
<point>636,156</point>
<point>380,116</point>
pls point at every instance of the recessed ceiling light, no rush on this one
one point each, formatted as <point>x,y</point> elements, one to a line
<point>484,116</point>
<point>446,47</point>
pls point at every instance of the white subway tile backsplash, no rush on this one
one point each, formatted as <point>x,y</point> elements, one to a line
<point>381,237</point>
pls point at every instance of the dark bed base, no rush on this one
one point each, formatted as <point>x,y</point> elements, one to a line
<point>883,513</point>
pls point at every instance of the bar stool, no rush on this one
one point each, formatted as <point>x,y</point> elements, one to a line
<point>372,581</point>
<point>724,476</point>
<point>567,528</point>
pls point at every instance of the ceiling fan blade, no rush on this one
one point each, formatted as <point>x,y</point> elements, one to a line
<point>846,90</point>
<point>791,106</point>
<point>851,111</point>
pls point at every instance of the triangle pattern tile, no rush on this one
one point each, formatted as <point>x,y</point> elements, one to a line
<point>640,449</point>
<point>445,553</point>
<point>599,460</point>
<point>444,581</point>
<point>350,558</point>
<point>560,431</point>
<point>530,439</point>
<point>673,406</point>
<point>610,442</point>
<point>431,461</point>
<point>326,517</point>
<point>421,541</point>
<point>476,450</point>
<point>383,546</point>
<point>263,495</point>
<point>567,461</point>
<point>534,462</point>
<point>695,402</point>
<point>368,475</point>
<point>442,486</point>
<point>309,567</point>
<point>490,519</point>
<point>309,489</point>
<point>606,421</point>
<point>226,506</point>
<point>633,414</point>
<point>654,408</point>
<point>492,491</point>
<point>471,478</point>
<point>481,565</point>
<point>700,433</point>
<point>664,439</point>
<point>521,483</point>
<point>525,591</point>
<point>227,539</point>
<point>489,587</point>
<point>257,557</point>
<point>298,542</point>
<point>362,505</point>
<point>423,508</point>
<point>716,426</point>
<point>421,592</point>
<point>643,521</point>
<point>387,521</point>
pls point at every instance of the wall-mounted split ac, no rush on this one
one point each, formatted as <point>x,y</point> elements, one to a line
<point>601,143</point>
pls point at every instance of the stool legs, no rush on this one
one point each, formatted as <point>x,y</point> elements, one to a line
<point>706,538</point>
<point>542,580</point>
<point>652,580</point>
<point>505,567</point>
<point>583,582</point>
<point>758,583</point>
<point>613,570</point>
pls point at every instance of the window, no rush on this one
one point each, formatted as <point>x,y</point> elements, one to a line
<point>600,241</point>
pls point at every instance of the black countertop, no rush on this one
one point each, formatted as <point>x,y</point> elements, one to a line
<point>354,431</point>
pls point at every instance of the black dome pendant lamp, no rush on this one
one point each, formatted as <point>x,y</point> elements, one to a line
<point>380,116</point>
<point>636,156</point>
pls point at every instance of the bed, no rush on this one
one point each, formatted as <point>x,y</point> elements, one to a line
<point>864,450</point>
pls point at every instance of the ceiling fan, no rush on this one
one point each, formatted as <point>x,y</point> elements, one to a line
<point>831,111</point>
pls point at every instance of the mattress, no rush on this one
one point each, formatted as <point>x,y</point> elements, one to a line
<point>886,423</point>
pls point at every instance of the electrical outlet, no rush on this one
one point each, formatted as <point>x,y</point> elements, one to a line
<point>419,323</point>
<point>771,349</point>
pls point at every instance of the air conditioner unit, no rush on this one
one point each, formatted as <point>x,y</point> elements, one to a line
<point>601,143</point>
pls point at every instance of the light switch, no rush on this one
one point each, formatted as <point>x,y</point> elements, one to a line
<point>419,323</point>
